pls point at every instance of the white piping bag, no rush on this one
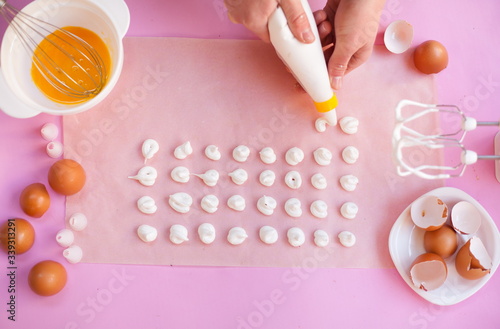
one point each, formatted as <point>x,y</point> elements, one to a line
<point>306,61</point>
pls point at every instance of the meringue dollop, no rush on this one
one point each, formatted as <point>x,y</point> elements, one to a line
<point>349,125</point>
<point>321,238</point>
<point>323,156</point>
<point>206,232</point>
<point>210,203</point>
<point>349,182</point>
<point>318,181</point>
<point>146,176</point>
<point>236,235</point>
<point>241,153</point>
<point>210,177</point>
<point>349,210</point>
<point>183,151</point>
<point>239,176</point>
<point>236,202</point>
<point>268,234</point>
<point>347,239</point>
<point>180,174</point>
<point>294,156</point>
<point>293,179</point>
<point>212,152</point>
<point>293,207</point>
<point>180,202</point>
<point>267,177</point>
<point>319,209</point>
<point>350,154</point>
<point>178,234</point>
<point>296,237</point>
<point>147,233</point>
<point>267,155</point>
<point>149,148</point>
<point>147,205</point>
<point>266,205</point>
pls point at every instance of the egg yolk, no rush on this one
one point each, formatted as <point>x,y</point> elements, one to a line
<point>59,57</point>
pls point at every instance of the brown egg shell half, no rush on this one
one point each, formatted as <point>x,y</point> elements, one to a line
<point>428,271</point>
<point>429,212</point>
<point>473,261</point>
<point>465,218</point>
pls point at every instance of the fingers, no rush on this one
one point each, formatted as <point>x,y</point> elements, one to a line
<point>337,72</point>
<point>344,61</point>
<point>324,27</point>
<point>297,20</point>
<point>337,66</point>
<point>253,14</point>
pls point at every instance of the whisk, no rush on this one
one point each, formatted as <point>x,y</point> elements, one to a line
<point>406,137</point>
<point>75,57</point>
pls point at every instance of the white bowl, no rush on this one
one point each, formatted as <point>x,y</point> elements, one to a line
<point>19,97</point>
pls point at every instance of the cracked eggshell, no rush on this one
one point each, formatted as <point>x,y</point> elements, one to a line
<point>398,36</point>
<point>65,237</point>
<point>49,131</point>
<point>429,212</point>
<point>78,221</point>
<point>428,271</point>
<point>465,218</point>
<point>54,149</point>
<point>473,261</point>
<point>73,254</point>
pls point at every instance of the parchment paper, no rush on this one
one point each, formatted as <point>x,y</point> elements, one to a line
<point>230,93</point>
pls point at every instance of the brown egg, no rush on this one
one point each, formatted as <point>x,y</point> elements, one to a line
<point>442,241</point>
<point>34,200</point>
<point>17,235</point>
<point>430,57</point>
<point>428,271</point>
<point>473,261</point>
<point>47,278</point>
<point>67,177</point>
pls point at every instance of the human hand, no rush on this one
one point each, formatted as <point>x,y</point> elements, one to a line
<point>351,25</point>
<point>254,15</point>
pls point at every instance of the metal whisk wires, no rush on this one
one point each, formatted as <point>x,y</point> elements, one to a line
<point>72,51</point>
<point>411,145</point>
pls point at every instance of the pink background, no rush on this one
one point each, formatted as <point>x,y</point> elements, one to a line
<point>118,296</point>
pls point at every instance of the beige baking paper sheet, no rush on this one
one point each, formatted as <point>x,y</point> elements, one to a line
<point>230,93</point>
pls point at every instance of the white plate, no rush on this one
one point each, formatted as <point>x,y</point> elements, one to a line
<point>406,243</point>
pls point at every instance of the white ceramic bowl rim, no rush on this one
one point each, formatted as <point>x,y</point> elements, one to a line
<point>16,62</point>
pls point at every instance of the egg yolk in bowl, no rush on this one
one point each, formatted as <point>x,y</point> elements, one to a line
<point>71,70</point>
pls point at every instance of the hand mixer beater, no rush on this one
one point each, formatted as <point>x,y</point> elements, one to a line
<point>407,138</point>
<point>66,62</point>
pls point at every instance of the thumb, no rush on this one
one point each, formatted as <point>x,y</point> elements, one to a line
<point>337,66</point>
